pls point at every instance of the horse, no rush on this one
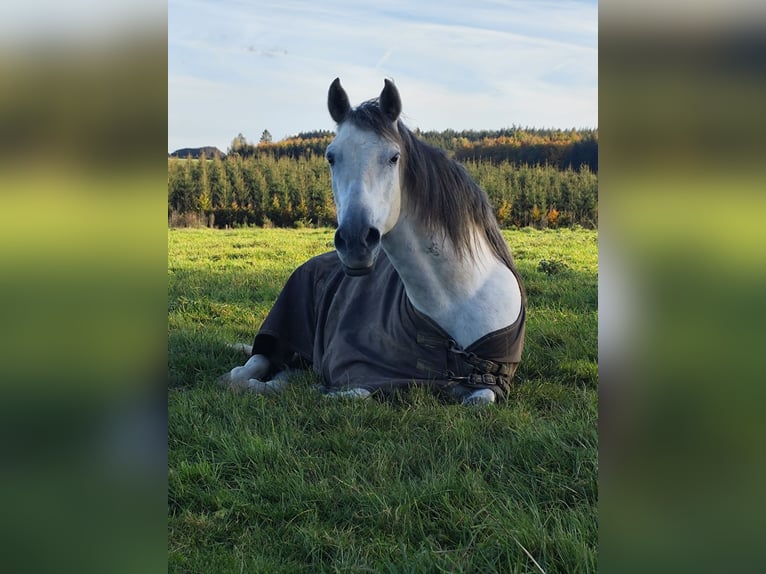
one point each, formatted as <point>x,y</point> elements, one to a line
<point>421,288</point>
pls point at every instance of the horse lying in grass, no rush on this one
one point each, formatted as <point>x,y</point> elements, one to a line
<point>421,289</point>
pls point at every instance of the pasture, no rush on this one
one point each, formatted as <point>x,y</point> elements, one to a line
<point>301,483</point>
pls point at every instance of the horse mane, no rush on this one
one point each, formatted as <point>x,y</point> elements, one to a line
<point>444,197</point>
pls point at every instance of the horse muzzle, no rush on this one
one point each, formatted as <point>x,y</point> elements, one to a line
<point>357,248</point>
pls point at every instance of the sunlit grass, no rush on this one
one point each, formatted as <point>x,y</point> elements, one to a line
<point>299,483</point>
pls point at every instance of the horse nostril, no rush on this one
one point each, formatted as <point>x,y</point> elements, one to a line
<point>340,243</point>
<point>373,237</point>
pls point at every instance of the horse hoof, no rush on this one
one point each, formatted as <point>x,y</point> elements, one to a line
<point>233,385</point>
<point>350,394</point>
<point>480,397</point>
<point>259,387</point>
<point>224,381</point>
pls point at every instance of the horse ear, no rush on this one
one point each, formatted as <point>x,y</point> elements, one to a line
<point>337,101</point>
<point>390,102</point>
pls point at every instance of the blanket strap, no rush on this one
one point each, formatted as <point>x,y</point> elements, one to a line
<point>486,373</point>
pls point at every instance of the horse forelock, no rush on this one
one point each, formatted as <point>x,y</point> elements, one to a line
<point>368,116</point>
<point>442,194</point>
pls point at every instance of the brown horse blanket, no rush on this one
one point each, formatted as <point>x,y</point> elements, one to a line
<point>363,332</point>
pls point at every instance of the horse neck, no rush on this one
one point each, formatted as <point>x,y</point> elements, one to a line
<point>467,295</point>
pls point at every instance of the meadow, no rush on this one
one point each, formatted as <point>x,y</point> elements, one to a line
<point>300,483</point>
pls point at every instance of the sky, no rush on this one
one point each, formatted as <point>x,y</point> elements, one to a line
<point>237,66</point>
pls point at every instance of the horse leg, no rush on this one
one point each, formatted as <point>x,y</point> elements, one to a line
<point>470,397</point>
<point>480,397</point>
<point>276,384</point>
<point>242,348</point>
<point>349,394</point>
<point>256,367</point>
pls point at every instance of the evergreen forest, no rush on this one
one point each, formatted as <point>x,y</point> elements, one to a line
<point>533,177</point>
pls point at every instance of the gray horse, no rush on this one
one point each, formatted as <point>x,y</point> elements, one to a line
<point>421,290</point>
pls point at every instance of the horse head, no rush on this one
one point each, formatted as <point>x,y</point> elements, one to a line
<point>365,163</point>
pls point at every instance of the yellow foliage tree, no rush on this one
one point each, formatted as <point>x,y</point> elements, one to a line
<point>553,216</point>
<point>504,213</point>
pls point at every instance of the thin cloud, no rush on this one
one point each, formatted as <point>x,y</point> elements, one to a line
<point>485,64</point>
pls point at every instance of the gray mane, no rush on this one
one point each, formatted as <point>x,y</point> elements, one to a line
<point>443,195</point>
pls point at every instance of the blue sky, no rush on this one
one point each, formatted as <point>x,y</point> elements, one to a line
<point>237,66</point>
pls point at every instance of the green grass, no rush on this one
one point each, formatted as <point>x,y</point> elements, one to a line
<point>300,483</point>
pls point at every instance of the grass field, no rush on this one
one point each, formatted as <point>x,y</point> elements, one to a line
<point>301,483</point>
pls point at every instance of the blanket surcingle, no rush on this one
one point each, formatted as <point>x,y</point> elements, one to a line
<point>363,332</point>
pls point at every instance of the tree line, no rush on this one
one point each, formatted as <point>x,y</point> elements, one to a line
<point>270,189</point>
<point>562,149</point>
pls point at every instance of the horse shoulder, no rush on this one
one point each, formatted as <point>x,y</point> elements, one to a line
<point>494,306</point>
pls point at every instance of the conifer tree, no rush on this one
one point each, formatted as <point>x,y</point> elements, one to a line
<point>203,185</point>
<point>219,186</point>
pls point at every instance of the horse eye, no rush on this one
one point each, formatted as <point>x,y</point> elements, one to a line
<point>394,158</point>
<point>330,159</point>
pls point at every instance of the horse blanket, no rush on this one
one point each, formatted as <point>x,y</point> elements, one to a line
<point>363,332</point>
